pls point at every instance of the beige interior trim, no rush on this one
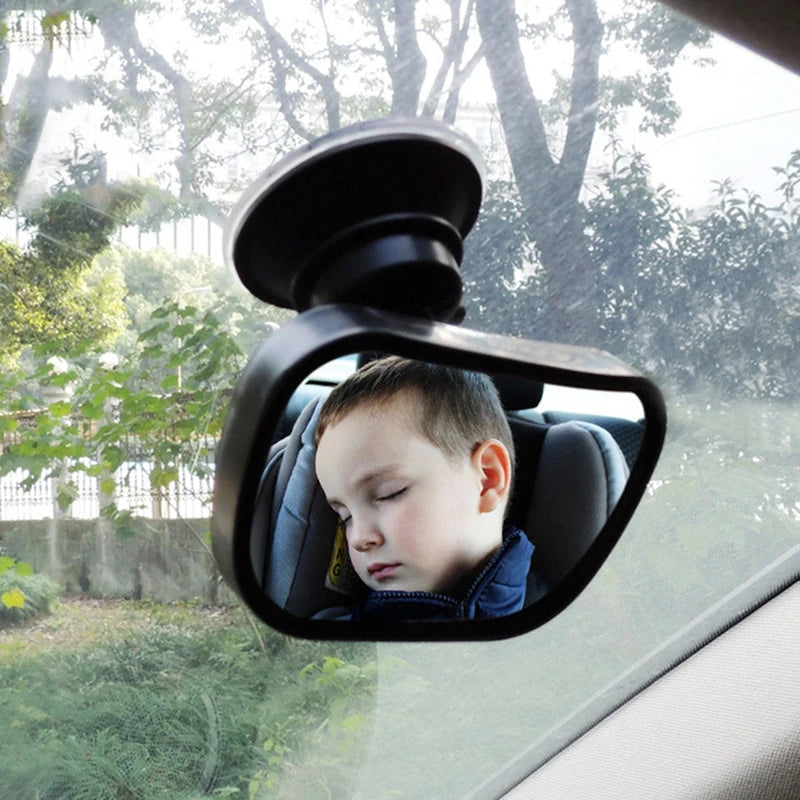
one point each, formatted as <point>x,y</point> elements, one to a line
<point>725,723</point>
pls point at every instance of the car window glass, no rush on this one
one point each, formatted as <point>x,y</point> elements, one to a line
<point>641,200</point>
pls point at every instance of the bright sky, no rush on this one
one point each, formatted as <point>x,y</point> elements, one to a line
<point>740,118</point>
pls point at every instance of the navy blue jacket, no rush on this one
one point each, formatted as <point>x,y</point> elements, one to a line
<point>497,589</point>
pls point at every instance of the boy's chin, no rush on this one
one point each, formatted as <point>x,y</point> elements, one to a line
<point>405,586</point>
<point>398,584</point>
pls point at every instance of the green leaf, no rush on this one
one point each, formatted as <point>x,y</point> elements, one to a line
<point>156,330</point>
<point>354,722</point>
<point>8,425</point>
<point>338,707</point>
<point>162,311</point>
<point>60,409</point>
<point>6,563</point>
<point>169,383</point>
<point>124,529</point>
<point>163,477</point>
<point>307,669</point>
<point>183,330</point>
<point>110,512</point>
<point>14,598</point>
<point>66,495</point>
<point>24,569</point>
<point>153,351</point>
<point>107,486</point>
<point>331,665</point>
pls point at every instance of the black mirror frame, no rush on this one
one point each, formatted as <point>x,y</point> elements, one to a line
<point>323,333</point>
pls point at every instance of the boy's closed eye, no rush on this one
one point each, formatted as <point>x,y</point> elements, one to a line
<point>392,495</point>
<point>346,517</point>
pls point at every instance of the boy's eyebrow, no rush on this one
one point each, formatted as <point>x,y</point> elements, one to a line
<point>373,474</point>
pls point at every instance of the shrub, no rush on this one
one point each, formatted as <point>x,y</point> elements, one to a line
<point>182,712</point>
<point>23,594</point>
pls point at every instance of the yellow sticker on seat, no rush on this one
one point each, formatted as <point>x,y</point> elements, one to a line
<point>341,576</point>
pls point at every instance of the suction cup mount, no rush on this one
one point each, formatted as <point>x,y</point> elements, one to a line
<point>374,214</point>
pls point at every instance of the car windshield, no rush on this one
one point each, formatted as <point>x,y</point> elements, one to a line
<point>640,197</point>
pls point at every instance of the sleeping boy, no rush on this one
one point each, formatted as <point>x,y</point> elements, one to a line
<point>417,461</point>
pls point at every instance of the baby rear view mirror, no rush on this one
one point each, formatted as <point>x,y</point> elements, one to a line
<point>389,530</point>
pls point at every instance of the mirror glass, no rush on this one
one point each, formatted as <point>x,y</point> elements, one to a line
<point>400,512</point>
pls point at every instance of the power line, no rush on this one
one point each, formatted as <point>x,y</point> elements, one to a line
<point>723,125</point>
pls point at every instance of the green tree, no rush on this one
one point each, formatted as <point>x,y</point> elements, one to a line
<point>710,293</point>
<point>547,259</point>
<point>53,295</point>
<point>154,277</point>
<point>50,294</point>
<point>549,162</point>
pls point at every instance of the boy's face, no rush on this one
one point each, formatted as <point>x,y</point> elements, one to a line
<point>415,520</point>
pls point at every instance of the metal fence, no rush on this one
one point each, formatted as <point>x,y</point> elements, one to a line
<point>187,497</point>
<point>195,235</point>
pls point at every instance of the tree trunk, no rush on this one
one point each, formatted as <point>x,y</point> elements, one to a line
<point>23,119</point>
<point>407,67</point>
<point>549,188</point>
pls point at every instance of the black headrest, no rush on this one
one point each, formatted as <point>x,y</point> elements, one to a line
<point>517,393</point>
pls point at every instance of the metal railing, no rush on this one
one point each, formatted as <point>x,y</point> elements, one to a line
<point>189,496</point>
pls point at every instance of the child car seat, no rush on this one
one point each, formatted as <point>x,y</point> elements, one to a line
<point>580,475</point>
<point>569,477</point>
<point>295,550</point>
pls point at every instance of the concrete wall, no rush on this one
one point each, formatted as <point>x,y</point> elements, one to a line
<point>163,561</point>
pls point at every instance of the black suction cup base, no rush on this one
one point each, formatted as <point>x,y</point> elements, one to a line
<point>402,262</point>
<point>375,214</point>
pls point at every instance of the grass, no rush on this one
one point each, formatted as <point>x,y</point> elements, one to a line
<point>116,699</point>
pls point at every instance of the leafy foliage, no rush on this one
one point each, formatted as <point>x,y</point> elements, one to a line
<point>708,294</point>
<point>167,400</point>
<point>155,277</point>
<point>23,594</point>
<point>53,300</point>
<point>175,712</point>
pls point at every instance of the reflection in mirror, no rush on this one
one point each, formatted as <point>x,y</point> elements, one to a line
<point>391,507</point>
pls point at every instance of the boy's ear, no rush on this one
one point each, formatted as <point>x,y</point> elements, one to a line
<point>491,458</point>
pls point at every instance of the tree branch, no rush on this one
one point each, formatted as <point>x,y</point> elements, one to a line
<point>280,49</point>
<point>119,30</point>
<point>452,54</point>
<point>459,79</point>
<point>519,109</point>
<point>216,110</point>
<point>329,42</point>
<point>383,37</point>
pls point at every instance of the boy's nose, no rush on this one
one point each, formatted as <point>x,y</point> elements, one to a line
<point>364,535</point>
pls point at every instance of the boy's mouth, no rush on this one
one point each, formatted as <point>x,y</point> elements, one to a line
<point>380,571</point>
